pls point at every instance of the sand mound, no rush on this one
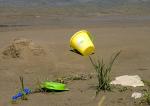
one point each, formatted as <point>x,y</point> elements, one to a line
<point>22,47</point>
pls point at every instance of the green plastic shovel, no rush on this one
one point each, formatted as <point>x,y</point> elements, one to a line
<point>49,85</point>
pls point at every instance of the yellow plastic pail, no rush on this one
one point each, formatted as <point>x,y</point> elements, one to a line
<point>82,42</point>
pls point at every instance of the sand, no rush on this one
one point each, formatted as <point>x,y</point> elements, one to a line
<point>59,61</point>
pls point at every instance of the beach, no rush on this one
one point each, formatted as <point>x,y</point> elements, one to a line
<point>58,61</point>
<point>35,44</point>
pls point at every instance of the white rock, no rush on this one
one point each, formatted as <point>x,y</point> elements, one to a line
<point>136,95</point>
<point>127,80</point>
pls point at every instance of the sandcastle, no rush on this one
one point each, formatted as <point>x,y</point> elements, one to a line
<point>21,47</point>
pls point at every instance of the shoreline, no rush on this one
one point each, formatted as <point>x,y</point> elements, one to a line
<point>9,24</point>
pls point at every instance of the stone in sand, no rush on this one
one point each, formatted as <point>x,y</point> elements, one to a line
<point>127,80</point>
<point>136,95</point>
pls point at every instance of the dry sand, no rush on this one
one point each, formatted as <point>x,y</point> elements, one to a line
<point>59,61</point>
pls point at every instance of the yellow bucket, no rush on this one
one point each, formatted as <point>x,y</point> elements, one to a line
<point>82,42</point>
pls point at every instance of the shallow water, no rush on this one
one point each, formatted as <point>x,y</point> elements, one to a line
<point>74,7</point>
<point>57,3</point>
<point>56,12</point>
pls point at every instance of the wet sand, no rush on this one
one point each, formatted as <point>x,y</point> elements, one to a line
<point>131,39</point>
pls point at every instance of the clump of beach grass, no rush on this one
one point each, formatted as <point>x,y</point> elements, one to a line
<point>146,82</point>
<point>146,98</point>
<point>103,71</point>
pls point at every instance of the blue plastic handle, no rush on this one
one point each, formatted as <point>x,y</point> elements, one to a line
<point>20,94</point>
